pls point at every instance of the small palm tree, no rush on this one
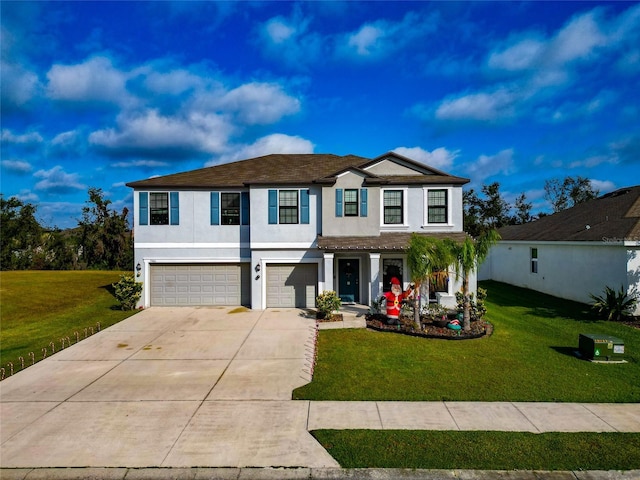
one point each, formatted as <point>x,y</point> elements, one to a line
<point>614,305</point>
<point>468,255</point>
<point>425,255</point>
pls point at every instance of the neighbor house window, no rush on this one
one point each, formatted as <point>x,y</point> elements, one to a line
<point>230,208</point>
<point>159,208</point>
<point>351,203</point>
<point>288,206</point>
<point>534,260</point>
<point>437,207</point>
<point>392,205</point>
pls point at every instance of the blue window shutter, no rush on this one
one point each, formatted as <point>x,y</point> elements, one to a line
<point>363,202</point>
<point>273,207</point>
<point>244,202</point>
<point>143,200</point>
<point>304,206</point>
<point>215,208</point>
<point>338,202</point>
<point>174,203</point>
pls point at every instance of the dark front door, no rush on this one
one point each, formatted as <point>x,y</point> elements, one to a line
<point>349,280</point>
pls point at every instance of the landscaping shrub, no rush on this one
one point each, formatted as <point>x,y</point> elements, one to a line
<point>327,303</point>
<point>614,305</point>
<point>127,291</point>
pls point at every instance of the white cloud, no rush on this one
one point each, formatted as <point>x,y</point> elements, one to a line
<point>94,81</point>
<point>577,40</point>
<point>382,38</point>
<point>275,143</point>
<point>440,158</point>
<point>259,103</point>
<point>175,82</point>
<point>152,134</point>
<point>367,40</point>
<point>140,163</point>
<point>279,30</point>
<point>288,40</point>
<point>16,166</point>
<point>19,85</point>
<point>603,186</point>
<point>65,138</point>
<point>541,67</point>
<point>25,139</point>
<point>57,180</point>
<point>522,55</point>
<point>27,196</point>
<point>489,165</point>
<point>483,106</point>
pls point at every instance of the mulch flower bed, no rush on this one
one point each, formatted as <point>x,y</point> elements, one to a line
<point>479,328</point>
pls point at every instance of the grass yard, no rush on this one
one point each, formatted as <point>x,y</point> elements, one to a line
<point>482,450</point>
<point>40,307</point>
<point>529,357</point>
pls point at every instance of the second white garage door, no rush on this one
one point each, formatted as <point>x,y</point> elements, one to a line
<point>292,286</point>
<point>192,285</point>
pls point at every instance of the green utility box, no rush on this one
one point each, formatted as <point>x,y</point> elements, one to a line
<point>602,348</point>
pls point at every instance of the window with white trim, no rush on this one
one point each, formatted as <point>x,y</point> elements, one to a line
<point>534,259</point>
<point>393,207</point>
<point>437,206</point>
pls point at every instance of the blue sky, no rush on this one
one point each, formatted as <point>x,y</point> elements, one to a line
<point>97,94</point>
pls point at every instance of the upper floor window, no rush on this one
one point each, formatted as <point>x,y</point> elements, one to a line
<point>289,206</point>
<point>351,203</point>
<point>437,206</point>
<point>230,208</point>
<point>159,208</point>
<point>393,207</point>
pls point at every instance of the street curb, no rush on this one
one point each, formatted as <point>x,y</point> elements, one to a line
<point>197,473</point>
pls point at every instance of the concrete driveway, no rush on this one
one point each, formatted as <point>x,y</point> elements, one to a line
<point>169,387</point>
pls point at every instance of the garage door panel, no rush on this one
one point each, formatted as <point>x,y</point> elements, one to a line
<point>212,284</point>
<point>291,286</point>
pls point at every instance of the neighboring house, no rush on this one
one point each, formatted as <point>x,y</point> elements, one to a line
<point>575,252</point>
<point>277,230</point>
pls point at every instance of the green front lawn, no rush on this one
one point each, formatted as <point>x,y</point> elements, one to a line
<point>529,357</point>
<point>40,307</point>
<point>482,450</point>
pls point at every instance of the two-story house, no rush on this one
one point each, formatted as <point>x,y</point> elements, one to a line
<point>277,230</point>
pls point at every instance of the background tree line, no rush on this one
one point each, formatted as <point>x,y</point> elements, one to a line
<point>487,209</point>
<point>102,240</point>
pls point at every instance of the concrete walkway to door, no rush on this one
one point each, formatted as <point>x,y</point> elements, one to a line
<point>168,387</point>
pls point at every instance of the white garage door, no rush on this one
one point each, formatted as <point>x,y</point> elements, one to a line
<point>193,285</point>
<point>290,286</point>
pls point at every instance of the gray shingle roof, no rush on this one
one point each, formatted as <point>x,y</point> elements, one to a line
<point>611,217</point>
<point>284,169</point>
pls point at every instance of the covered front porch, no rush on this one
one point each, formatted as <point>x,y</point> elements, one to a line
<point>360,269</point>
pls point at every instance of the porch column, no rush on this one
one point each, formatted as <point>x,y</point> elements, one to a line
<point>374,273</point>
<point>328,271</point>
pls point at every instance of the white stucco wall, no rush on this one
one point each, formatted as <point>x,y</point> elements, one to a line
<point>570,270</point>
